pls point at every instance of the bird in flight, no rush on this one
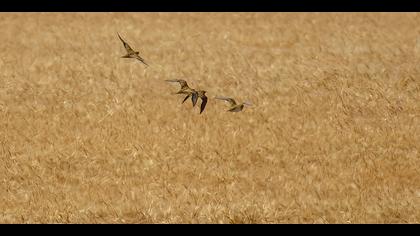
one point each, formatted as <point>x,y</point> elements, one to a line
<point>185,89</point>
<point>202,94</point>
<point>130,52</point>
<point>234,107</point>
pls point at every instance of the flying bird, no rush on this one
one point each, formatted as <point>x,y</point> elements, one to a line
<point>202,94</point>
<point>185,89</point>
<point>130,52</point>
<point>234,107</point>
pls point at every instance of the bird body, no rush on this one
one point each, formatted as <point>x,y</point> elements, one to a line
<point>185,89</point>
<point>130,52</point>
<point>234,107</point>
<point>237,108</point>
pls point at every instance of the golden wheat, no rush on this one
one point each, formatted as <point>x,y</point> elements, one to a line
<point>333,135</point>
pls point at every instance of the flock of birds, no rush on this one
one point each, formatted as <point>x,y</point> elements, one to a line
<point>185,89</point>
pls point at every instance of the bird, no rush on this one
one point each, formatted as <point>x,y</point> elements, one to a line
<point>185,89</point>
<point>202,94</point>
<point>234,107</point>
<point>130,52</point>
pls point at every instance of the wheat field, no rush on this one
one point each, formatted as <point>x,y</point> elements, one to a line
<point>333,135</point>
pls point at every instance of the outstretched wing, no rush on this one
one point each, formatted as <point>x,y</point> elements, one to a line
<point>194,98</point>
<point>182,82</point>
<point>185,99</point>
<point>127,47</point>
<point>203,103</point>
<point>230,100</point>
<point>141,59</point>
<point>247,103</point>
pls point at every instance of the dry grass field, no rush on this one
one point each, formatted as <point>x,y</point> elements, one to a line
<point>333,135</point>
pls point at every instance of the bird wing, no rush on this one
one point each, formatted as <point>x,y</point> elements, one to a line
<point>194,98</point>
<point>185,99</point>
<point>203,103</point>
<point>141,59</point>
<point>127,47</point>
<point>230,100</point>
<point>248,103</point>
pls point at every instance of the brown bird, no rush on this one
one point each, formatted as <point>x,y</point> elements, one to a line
<point>130,52</point>
<point>185,89</point>
<point>234,107</point>
<point>202,94</point>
